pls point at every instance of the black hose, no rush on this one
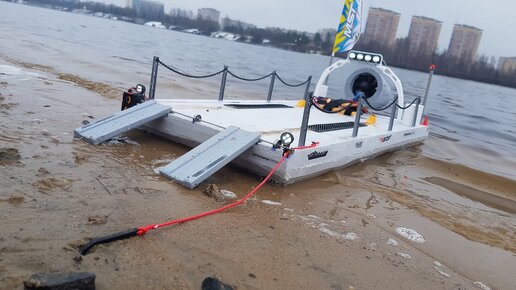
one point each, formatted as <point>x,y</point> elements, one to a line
<point>408,106</point>
<point>107,239</point>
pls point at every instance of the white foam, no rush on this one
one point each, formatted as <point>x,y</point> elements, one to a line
<point>270,202</point>
<point>438,264</point>
<point>442,273</point>
<point>410,235</point>
<point>403,255</point>
<point>228,194</point>
<point>481,286</point>
<point>122,140</point>
<point>15,71</point>
<point>350,236</point>
<point>392,242</point>
<point>329,232</point>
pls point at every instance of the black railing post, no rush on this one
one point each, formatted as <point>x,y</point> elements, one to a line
<point>393,115</point>
<point>416,111</point>
<point>271,86</point>
<point>223,83</point>
<point>154,77</point>
<point>308,83</point>
<point>430,75</point>
<point>306,117</point>
<point>357,118</point>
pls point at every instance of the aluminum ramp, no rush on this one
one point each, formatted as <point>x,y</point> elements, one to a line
<point>121,122</point>
<point>204,160</point>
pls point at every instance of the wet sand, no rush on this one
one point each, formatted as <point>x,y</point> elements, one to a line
<point>333,232</point>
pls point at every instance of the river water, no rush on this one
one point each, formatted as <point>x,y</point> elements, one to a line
<point>471,123</point>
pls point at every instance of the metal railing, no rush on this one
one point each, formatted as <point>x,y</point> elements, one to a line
<point>156,62</point>
<point>307,95</point>
<point>361,100</point>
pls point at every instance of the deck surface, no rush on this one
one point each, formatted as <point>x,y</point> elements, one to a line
<point>270,123</point>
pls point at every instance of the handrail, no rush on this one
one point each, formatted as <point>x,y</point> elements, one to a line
<point>309,103</point>
<point>225,71</point>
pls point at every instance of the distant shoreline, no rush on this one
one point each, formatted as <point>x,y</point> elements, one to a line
<point>138,21</point>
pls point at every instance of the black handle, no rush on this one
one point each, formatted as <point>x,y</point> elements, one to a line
<point>107,239</point>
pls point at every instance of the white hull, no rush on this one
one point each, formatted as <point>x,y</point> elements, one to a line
<point>336,149</point>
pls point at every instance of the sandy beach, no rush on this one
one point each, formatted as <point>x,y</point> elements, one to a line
<point>339,231</point>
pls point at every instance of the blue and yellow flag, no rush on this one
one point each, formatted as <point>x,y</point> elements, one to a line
<point>350,26</point>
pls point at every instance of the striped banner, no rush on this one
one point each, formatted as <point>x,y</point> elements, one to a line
<point>350,26</point>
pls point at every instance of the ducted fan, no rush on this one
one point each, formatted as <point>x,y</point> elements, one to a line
<point>373,84</point>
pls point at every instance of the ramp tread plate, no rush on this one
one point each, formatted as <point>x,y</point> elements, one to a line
<point>121,122</point>
<point>333,126</point>
<point>204,160</point>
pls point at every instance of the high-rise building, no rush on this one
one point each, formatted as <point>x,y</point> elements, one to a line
<point>228,22</point>
<point>464,42</point>
<point>423,35</point>
<point>381,26</point>
<point>507,64</point>
<point>209,14</point>
<point>146,8</point>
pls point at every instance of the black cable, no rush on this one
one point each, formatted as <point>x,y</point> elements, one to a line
<point>404,108</point>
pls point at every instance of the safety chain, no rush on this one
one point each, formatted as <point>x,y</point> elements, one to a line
<point>392,103</point>
<point>249,80</point>
<point>290,85</point>
<point>191,76</point>
<point>232,74</point>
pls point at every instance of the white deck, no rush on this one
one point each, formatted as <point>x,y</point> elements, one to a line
<point>270,123</point>
<point>340,148</point>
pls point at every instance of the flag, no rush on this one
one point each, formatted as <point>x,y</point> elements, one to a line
<point>350,26</point>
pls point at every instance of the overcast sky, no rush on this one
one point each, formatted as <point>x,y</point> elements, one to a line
<point>496,18</point>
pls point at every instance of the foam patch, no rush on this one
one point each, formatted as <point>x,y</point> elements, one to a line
<point>442,273</point>
<point>481,286</point>
<point>391,242</point>
<point>15,71</point>
<point>410,235</point>
<point>403,255</point>
<point>350,236</point>
<point>228,194</point>
<point>270,202</point>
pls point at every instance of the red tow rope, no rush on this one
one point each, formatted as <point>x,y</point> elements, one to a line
<point>143,230</point>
